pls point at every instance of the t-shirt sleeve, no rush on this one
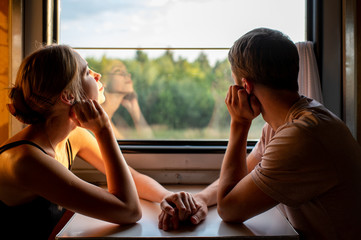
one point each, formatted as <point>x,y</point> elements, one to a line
<point>266,135</point>
<point>293,168</point>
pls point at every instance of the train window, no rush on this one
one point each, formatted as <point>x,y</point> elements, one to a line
<point>164,62</point>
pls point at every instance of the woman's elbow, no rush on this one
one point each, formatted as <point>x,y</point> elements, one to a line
<point>134,214</point>
<point>128,215</point>
<point>137,215</point>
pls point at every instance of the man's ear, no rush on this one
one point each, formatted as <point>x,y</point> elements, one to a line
<point>67,98</point>
<point>247,85</point>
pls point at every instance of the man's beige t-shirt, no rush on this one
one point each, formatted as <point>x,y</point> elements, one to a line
<point>312,166</point>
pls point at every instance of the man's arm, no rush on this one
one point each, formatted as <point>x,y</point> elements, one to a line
<point>205,199</point>
<point>239,198</point>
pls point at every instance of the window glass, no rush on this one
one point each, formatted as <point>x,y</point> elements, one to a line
<point>164,62</point>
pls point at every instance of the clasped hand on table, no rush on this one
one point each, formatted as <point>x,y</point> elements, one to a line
<point>181,207</point>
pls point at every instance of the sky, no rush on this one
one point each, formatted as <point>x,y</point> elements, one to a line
<point>174,23</point>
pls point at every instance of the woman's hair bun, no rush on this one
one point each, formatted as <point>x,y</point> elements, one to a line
<point>20,109</point>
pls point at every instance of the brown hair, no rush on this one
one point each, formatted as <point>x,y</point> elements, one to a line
<point>268,57</point>
<point>41,78</point>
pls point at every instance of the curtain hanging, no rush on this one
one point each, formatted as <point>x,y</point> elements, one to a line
<point>308,77</point>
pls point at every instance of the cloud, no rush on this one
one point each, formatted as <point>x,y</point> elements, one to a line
<point>175,23</point>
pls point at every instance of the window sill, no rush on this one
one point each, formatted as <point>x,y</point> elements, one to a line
<point>168,162</point>
<point>177,146</point>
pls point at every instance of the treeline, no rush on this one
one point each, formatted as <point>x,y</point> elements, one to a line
<point>176,93</point>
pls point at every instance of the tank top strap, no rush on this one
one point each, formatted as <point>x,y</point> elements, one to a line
<point>70,154</point>
<point>18,143</point>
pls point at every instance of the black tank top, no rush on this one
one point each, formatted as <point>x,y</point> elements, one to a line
<point>35,219</point>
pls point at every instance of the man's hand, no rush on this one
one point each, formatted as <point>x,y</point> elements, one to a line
<point>180,207</point>
<point>241,106</point>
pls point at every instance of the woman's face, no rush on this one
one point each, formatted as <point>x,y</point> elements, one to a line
<point>97,77</point>
<point>120,80</point>
<point>92,86</point>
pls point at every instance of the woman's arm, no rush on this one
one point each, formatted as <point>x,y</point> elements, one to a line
<point>119,205</point>
<point>130,102</point>
<point>42,175</point>
<point>85,146</point>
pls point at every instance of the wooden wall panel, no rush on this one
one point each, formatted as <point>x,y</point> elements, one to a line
<point>4,69</point>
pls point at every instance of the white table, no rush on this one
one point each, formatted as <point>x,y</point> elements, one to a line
<point>268,225</point>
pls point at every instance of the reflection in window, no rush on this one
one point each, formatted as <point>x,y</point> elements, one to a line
<point>167,98</point>
<point>166,73</point>
<point>121,100</point>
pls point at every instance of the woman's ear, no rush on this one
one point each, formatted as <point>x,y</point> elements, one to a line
<point>67,98</point>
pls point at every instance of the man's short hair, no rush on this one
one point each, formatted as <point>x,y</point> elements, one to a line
<point>266,56</point>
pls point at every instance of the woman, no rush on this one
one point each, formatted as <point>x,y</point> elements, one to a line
<point>56,95</point>
<point>119,91</point>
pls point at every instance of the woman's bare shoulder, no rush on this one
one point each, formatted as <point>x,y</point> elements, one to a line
<point>77,131</point>
<point>81,138</point>
<point>17,168</point>
<point>21,153</point>
<point>80,134</point>
<point>22,162</point>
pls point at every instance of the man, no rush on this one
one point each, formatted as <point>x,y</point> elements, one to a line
<point>306,162</point>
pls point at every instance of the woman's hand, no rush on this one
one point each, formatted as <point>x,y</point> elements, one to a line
<point>241,106</point>
<point>90,115</point>
<point>130,102</point>
<point>180,207</point>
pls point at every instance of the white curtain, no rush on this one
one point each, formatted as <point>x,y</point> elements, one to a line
<point>308,77</point>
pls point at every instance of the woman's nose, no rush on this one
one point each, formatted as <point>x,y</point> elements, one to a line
<point>97,76</point>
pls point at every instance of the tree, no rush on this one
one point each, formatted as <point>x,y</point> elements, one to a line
<point>176,93</point>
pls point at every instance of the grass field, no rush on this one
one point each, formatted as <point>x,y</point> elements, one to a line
<point>164,133</point>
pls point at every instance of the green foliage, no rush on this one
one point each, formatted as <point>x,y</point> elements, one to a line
<point>176,93</point>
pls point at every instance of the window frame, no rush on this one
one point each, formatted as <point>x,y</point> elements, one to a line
<point>153,144</point>
<point>168,162</point>
<point>316,25</point>
<point>189,151</point>
<point>178,146</point>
